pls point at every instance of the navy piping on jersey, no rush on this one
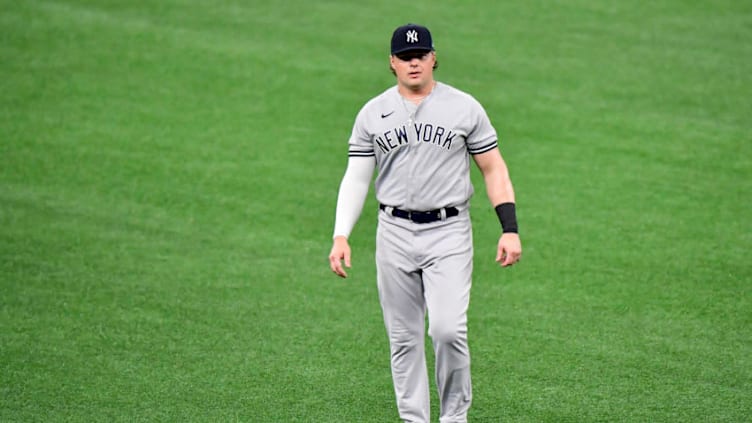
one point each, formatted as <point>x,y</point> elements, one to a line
<point>483,149</point>
<point>369,153</point>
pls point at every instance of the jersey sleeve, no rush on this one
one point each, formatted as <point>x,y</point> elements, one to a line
<point>482,136</point>
<point>360,143</point>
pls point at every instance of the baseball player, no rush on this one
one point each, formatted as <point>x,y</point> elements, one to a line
<point>421,135</point>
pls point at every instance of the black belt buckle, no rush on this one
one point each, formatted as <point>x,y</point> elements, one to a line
<point>424,217</point>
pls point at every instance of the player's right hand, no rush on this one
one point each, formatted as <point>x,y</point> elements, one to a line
<point>340,251</point>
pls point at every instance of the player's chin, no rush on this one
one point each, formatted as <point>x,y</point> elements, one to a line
<point>414,83</point>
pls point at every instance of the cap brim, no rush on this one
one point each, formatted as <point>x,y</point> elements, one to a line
<point>406,49</point>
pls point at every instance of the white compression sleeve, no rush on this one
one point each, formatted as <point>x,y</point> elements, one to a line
<point>352,193</point>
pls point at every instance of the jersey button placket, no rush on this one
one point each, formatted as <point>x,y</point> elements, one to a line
<point>414,154</point>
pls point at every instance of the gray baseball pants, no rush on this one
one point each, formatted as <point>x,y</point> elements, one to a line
<point>427,267</point>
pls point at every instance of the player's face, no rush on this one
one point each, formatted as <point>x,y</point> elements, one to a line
<point>414,69</point>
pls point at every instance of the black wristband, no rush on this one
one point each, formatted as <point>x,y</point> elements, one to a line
<point>507,217</point>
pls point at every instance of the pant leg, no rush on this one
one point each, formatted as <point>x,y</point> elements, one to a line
<point>401,295</point>
<point>447,279</point>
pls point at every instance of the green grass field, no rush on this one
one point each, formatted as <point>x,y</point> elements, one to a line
<point>168,178</point>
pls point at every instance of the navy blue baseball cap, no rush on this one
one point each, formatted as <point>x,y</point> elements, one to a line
<point>411,37</point>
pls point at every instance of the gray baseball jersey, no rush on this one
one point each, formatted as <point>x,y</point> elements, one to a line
<point>416,147</point>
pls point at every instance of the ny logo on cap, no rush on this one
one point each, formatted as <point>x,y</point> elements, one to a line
<point>412,36</point>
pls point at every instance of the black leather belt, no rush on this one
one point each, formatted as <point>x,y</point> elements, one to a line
<point>421,217</point>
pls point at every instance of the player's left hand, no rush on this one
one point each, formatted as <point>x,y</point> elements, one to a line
<point>509,250</point>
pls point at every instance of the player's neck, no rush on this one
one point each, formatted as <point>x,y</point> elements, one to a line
<point>418,94</point>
